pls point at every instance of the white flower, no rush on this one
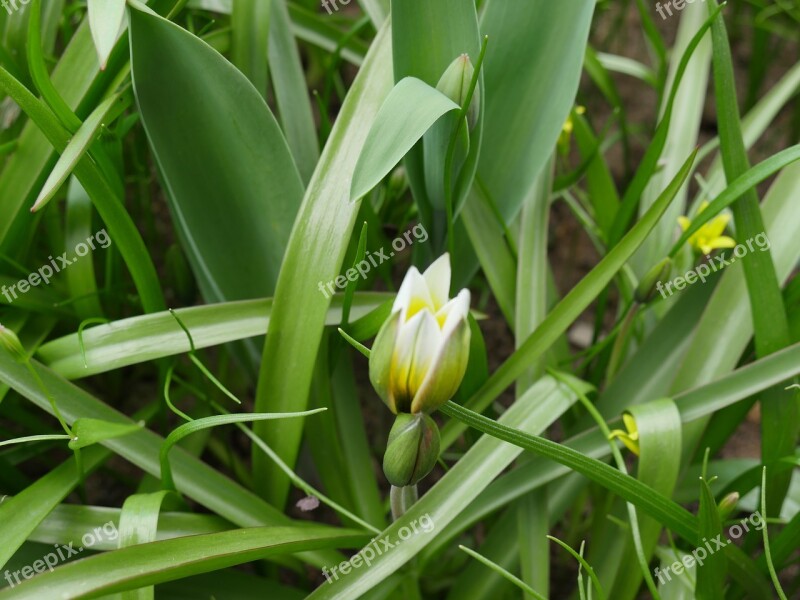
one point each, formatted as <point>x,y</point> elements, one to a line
<point>420,354</point>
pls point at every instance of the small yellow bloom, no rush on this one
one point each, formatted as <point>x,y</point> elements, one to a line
<point>420,354</point>
<point>709,237</point>
<point>630,437</point>
<point>568,128</point>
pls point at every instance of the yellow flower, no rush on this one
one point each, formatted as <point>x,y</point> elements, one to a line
<point>630,437</point>
<point>420,354</point>
<point>709,237</point>
<point>568,128</point>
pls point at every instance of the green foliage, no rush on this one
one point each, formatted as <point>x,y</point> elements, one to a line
<point>275,178</point>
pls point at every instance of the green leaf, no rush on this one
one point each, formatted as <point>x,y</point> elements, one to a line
<point>92,431</point>
<point>157,562</point>
<point>106,18</point>
<point>444,502</point>
<point>78,146</point>
<point>176,435</point>
<point>711,575</point>
<point>570,308</point>
<point>659,425</point>
<point>532,78</point>
<point>20,514</point>
<point>780,419</point>
<point>291,95</point>
<point>656,505</point>
<point>232,185</point>
<point>138,524</point>
<point>411,108</point>
<point>149,337</point>
<point>250,25</point>
<point>193,478</point>
<point>315,254</point>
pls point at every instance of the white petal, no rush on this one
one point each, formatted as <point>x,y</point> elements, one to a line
<point>453,312</point>
<point>427,347</point>
<point>412,296</point>
<point>437,276</point>
<point>445,375</point>
<point>402,361</point>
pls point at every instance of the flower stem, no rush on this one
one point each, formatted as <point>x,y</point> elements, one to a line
<point>401,499</point>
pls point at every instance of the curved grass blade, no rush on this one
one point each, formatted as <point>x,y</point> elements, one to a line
<point>149,337</point>
<point>176,435</point>
<point>78,146</point>
<point>157,562</point>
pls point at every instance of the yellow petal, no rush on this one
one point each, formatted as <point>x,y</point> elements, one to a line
<point>684,223</point>
<point>722,241</point>
<point>716,226</point>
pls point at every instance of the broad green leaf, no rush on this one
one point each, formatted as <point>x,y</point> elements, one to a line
<point>532,75</point>
<point>106,18</point>
<point>157,562</point>
<point>411,108</point>
<point>315,255</point>
<point>232,185</point>
<point>149,337</point>
<point>71,521</point>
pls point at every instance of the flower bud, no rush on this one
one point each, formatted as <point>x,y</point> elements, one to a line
<point>421,352</point>
<point>10,341</point>
<point>455,85</point>
<point>412,449</point>
<point>651,282</point>
<point>727,505</point>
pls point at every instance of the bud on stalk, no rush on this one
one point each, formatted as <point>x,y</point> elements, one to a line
<point>412,449</point>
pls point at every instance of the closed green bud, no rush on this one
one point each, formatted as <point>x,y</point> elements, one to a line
<point>651,283</point>
<point>727,505</point>
<point>455,85</point>
<point>10,342</point>
<point>412,449</point>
